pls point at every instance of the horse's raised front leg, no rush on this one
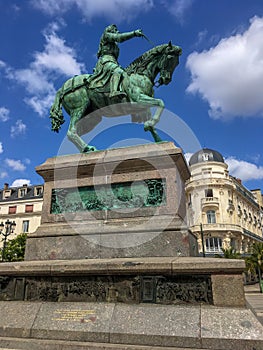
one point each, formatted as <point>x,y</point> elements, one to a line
<point>74,137</point>
<point>149,125</point>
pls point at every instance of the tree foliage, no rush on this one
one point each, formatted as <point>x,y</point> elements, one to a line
<point>255,261</point>
<point>230,253</point>
<point>15,249</point>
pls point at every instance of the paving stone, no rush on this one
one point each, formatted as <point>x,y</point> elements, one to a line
<point>39,344</point>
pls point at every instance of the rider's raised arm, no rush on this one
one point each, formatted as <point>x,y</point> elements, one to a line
<point>120,37</point>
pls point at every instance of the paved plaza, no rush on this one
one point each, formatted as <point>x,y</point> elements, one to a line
<point>255,300</point>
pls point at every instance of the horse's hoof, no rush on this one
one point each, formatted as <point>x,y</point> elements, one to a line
<point>86,149</point>
<point>89,149</point>
<point>92,149</point>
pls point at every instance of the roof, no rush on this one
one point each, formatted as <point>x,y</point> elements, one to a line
<point>206,155</point>
<point>14,195</point>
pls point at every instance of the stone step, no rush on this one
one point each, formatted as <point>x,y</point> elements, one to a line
<point>109,326</point>
<point>39,344</point>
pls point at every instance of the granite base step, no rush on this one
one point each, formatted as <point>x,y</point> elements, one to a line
<point>127,326</point>
<point>38,344</point>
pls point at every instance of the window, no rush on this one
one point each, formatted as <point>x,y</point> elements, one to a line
<point>189,200</point>
<point>25,226</point>
<point>29,208</point>
<point>233,243</point>
<point>213,244</point>
<point>12,210</point>
<point>205,157</point>
<point>211,216</point>
<point>22,192</point>
<point>7,194</point>
<point>243,246</point>
<point>38,191</point>
<point>209,192</point>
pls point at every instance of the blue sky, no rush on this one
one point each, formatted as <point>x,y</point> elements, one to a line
<point>216,91</point>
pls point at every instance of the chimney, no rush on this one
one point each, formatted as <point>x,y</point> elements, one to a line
<point>6,186</point>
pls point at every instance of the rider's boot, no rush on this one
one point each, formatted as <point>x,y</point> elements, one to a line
<point>114,87</point>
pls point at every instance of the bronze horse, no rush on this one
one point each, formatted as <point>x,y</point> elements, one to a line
<point>79,97</point>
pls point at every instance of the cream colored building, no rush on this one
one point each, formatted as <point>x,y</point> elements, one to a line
<point>23,205</point>
<point>220,209</point>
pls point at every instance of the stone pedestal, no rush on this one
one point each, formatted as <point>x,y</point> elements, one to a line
<point>113,264</point>
<point>126,202</point>
<point>126,303</point>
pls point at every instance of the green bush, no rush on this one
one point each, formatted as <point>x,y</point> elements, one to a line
<point>15,249</point>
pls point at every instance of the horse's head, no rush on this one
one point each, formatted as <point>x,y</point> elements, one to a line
<point>161,59</point>
<point>168,62</point>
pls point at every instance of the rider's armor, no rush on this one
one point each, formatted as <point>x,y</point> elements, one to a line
<point>108,55</point>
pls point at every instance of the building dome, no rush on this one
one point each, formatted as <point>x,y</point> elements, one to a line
<point>206,155</point>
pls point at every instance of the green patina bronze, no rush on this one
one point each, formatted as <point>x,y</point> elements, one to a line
<point>111,84</point>
<point>147,193</point>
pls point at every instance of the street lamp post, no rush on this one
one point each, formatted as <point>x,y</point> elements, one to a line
<point>6,229</point>
<point>202,238</point>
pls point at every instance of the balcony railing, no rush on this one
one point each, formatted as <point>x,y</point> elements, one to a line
<point>218,227</point>
<point>210,201</point>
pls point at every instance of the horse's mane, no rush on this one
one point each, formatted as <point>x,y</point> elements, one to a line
<point>140,63</point>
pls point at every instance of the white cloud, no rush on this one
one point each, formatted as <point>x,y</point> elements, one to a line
<point>15,164</point>
<point>2,64</point>
<point>41,105</point>
<point>188,156</point>
<point>178,8</point>
<point>115,10</point>
<point>52,7</point>
<point>229,76</point>
<point>16,8</point>
<point>3,174</point>
<point>20,182</point>
<point>56,58</point>
<point>201,37</point>
<point>33,79</point>
<point>18,129</point>
<point>244,170</point>
<point>27,161</point>
<point>1,147</point>
<point>4,114</point>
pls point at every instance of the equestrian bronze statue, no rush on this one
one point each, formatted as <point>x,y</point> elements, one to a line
<point>111,84</point>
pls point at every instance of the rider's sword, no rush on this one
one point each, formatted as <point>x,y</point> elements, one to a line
<point>151,42</point>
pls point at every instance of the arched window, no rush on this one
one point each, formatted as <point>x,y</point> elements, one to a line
<point>211,216</point>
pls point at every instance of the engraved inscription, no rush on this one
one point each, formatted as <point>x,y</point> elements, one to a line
<point>82,316</point>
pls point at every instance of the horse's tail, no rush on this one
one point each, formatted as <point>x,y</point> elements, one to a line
<point>56,114</point>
